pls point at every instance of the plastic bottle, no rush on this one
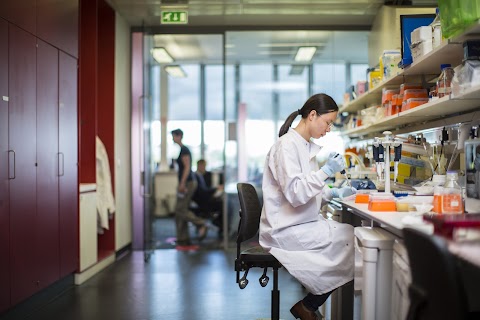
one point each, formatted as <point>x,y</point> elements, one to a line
<point>438,181</point>
<point>452,199</point>
<point>436,30</point>
<point>444,82</point>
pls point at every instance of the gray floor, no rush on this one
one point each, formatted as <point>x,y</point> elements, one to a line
<point>172,285</point>
<point>178,285</point>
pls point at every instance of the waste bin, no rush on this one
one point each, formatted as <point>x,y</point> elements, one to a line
<point>375,247</point>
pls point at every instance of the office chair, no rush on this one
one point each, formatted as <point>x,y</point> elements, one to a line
<point>436,291</point>
<point>254,257</point>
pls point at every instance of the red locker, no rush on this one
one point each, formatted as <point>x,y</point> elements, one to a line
<point>22,139</point>
<point>4,207</point>
<point>57,23</point>
<point>68,138</point>
<point>46,247</point>
<point>21,13</point>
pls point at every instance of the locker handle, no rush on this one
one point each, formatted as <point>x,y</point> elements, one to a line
<point>11,164</point>
<point>61,164</point>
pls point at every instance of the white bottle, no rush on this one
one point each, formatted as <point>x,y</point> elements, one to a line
<point>436,30</point>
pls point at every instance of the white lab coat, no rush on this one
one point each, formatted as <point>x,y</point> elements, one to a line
<point>316,251</point>
<point>105,199</point>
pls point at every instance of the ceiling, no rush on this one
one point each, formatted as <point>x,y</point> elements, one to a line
<point>259,12</point>
<point>259,30</point>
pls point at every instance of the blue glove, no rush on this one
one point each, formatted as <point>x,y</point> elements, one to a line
<point>335,163</point>
<point>343,192</point>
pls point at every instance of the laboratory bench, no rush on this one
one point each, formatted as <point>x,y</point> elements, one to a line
<point>358,215</point>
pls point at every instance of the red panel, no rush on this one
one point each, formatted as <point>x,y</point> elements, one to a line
<point>21,13</point>
<point>22,139</point>
<point>106,101</point>
<point>57,23</point>
<point>68,141</point>
<point>106,80</point>
<point>87,89</point>
<point>46,246</point>
<point>4,208</point>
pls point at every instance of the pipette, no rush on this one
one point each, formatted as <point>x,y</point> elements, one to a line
<point>344,173</point>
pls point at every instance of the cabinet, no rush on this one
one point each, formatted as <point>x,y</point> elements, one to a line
<point>38,165</point>
<point>57,23</point>
<point>426,68</point>
<point>47,236</point>
<point>21,13</point>
<point>68,162</point>
<point>22,161</point>
<point>4,198</point>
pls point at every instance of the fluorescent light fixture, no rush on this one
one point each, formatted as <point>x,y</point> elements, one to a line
<point>175,71</point>
<point>161,55</point>
<point>305,54</point>
<point>296,69</point>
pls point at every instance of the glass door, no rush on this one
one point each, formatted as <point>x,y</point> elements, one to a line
<point>186,91</point>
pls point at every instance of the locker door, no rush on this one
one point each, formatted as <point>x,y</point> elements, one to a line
<point>47,226</point>
<point>22,140</point>
<point>4,208</point>
<point>21,13</point>
<point>68,142</point>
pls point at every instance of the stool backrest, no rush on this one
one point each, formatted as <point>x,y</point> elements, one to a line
<point>250,211</point>
<point>436,291</point>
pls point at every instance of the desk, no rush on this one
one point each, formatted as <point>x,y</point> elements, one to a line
<point>391,221</point>
<point>467,253</point>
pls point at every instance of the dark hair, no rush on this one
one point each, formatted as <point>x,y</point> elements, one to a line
<point>320,102</point>
<point>177,132</point>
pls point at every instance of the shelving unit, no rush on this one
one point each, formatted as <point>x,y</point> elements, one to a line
<point>450,51</point>
<point>468,101</point>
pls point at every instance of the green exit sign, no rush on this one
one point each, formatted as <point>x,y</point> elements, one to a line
<point>174,17</point>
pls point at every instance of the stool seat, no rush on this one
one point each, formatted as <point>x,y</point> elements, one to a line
<point>259,257</point>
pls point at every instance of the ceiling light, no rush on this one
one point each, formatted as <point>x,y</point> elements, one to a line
<point>296,69</point>
<point>305,54</point>
<point>175,71</point>
<point>161,55</point>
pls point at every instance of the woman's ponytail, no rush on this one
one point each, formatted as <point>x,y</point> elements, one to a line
<point>286,125</point>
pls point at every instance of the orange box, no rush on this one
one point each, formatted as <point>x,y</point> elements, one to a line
<point>413,102</point>
<point>362,198</point>
<point>387,94</point>
<point>407,86</point>
<point>382,205</point>
<point>415,93</point>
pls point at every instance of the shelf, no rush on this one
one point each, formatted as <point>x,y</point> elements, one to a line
<point>450,51</point>
<point>467,101</point>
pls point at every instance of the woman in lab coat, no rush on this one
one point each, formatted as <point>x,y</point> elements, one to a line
<point>318,252</point>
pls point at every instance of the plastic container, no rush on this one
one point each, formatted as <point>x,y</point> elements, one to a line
<point>413,102</point>
<point>382,202</point>
<point>387,94</point>
<point>406,86</point>
<point>452,198</point>
<point>444,82</point>
<point>362,198</point>
<point>375,247</point>
<point>415,93</point>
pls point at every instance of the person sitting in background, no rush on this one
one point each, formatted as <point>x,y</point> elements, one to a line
<point>209,204</point>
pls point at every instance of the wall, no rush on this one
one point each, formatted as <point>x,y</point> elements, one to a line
<point>385,33</point>
<point>123,189</point>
